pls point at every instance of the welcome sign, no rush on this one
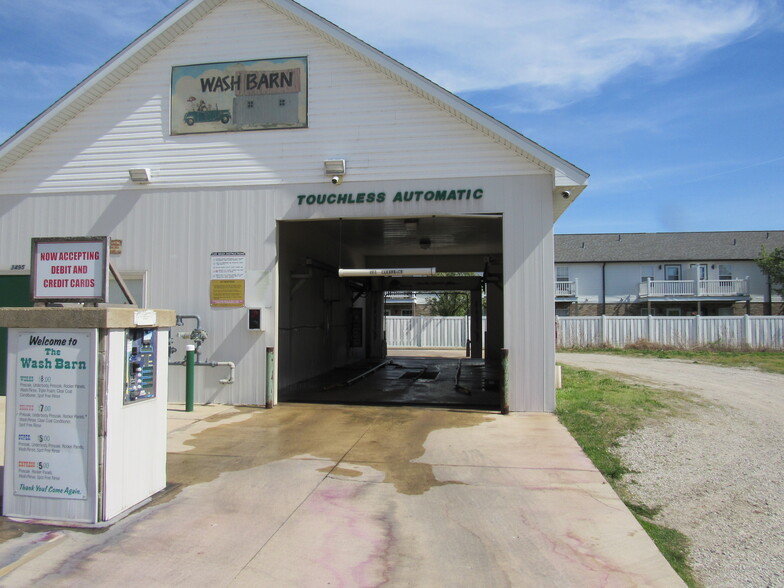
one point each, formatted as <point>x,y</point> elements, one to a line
<point>239,96</point>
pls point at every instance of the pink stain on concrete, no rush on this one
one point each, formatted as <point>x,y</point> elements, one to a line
<point>352,547</point>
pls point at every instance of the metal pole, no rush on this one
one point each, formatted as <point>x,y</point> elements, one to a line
<point>270,376</point>
<point>505,381</point>
<point>190,358</point>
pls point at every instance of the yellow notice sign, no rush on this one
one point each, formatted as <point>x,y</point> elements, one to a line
<point>227,293</point>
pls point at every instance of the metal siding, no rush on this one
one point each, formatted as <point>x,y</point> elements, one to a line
<point>529,291</point>
<point>171,235</point>
<point>381,128</point>
<point>589,281</point>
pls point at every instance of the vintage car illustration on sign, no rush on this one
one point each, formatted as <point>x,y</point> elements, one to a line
<point>203,113</point>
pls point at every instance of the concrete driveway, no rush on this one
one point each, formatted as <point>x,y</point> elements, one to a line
<point>714,468</point>
<point>308,495</point>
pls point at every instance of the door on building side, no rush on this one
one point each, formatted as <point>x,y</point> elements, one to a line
<point>14,291</point>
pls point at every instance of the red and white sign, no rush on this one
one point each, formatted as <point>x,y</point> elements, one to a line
<point>70,269</point>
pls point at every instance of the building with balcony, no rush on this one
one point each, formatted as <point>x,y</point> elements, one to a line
<point>406,303</point>
<point>710,274</point>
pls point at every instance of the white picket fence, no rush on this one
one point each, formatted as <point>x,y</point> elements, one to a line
<point>730,332</point>
<point>440,332</point>
<point>739,332</point>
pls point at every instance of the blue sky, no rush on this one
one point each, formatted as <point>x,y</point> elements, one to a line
<point>675,107</point>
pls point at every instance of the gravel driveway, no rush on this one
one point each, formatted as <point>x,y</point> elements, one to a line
<point>718,471</point>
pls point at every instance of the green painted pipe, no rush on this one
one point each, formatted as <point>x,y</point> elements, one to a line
<point>190,361</point>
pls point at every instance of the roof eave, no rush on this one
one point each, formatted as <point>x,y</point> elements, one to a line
<point>431,91</point>
<point>180,19</point>
<point>102,80</point>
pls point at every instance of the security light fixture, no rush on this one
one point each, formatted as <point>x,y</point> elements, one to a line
<point>139,175</point>
<point>335,167</point>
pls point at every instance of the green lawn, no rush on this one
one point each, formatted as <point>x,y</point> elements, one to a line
<point>769,361</point>
<point>598,411</point>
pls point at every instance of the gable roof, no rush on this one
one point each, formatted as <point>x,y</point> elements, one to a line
<point>567,175</point>
<point>634,247</point>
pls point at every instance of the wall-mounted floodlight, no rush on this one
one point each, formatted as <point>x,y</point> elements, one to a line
<point>335,169</point>
<point>139,175</point>
<point>395,271</point>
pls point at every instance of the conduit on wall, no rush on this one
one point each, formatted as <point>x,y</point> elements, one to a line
<point>401,271</point>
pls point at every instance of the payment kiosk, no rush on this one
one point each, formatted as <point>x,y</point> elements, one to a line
<point>85,436</point>
<point>85,430</point>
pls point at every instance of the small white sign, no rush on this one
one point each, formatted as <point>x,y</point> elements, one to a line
<point>227,265</point>
<point>145,318</point>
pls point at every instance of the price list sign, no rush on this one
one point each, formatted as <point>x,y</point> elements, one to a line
<point>55,381</point>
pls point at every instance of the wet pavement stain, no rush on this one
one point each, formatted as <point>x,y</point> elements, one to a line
<point>338,471</point>
<point>387,439</point>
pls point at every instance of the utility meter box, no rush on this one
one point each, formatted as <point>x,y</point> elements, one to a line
<point>85,431</point>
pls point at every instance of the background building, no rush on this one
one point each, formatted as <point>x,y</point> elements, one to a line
<point>709,273</point>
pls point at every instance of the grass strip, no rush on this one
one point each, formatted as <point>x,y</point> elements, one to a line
<point>768,361</point>
<point>598,411</point>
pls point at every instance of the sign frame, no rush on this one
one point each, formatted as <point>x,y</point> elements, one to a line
<point>235,96</point>
<point>100,273</point>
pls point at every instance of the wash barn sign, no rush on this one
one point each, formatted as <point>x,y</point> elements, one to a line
<point>70,269</point>
<point>239,96</point>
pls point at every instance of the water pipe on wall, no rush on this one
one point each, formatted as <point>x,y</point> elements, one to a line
<point>198,336</point>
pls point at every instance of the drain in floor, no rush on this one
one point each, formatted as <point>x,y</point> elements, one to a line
<point>421,375</point>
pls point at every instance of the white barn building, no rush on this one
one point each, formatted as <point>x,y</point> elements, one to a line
<point>227,215</point>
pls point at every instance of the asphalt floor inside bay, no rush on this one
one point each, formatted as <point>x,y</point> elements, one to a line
<point>335,495</point>
<point>445,379</point>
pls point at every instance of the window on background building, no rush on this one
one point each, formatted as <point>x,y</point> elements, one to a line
<point>725,271</point>
<point>646,272</point>
<point>701,270</point>
<point>136,285</point>
<point>562,273</point>
<point>672,272</point>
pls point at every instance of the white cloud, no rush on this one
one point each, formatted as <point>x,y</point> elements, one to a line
<point>555,50</point>
<point>24,79</point>
<point>110,17</point>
